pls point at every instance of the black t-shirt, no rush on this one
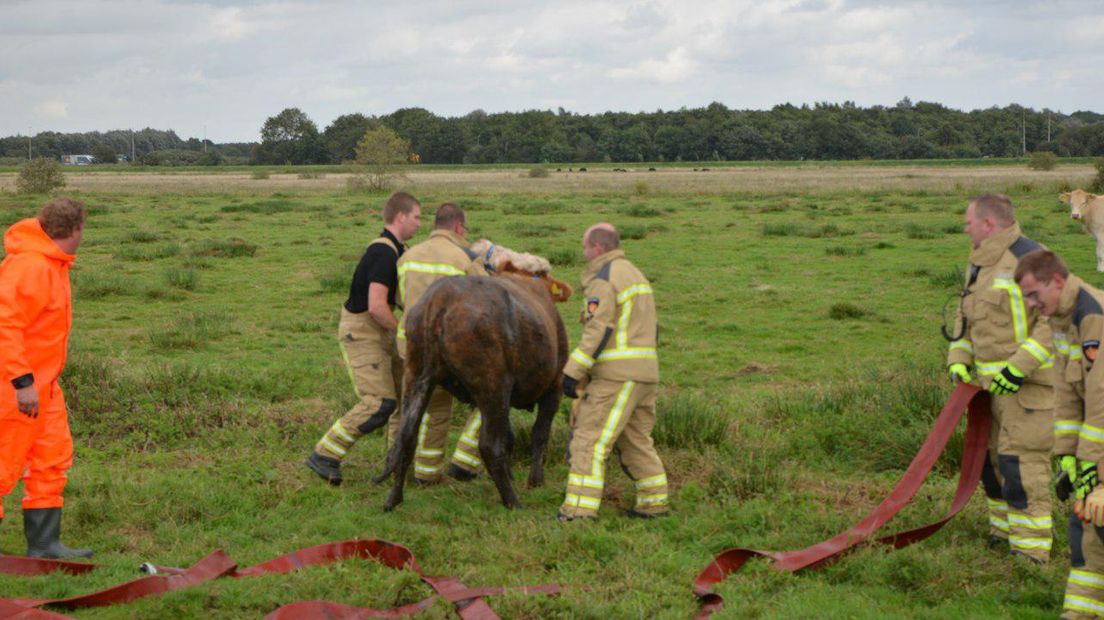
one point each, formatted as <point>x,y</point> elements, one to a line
<point>377,265</point>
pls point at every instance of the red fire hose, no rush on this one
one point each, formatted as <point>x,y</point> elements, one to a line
<point>820,554</point>
<point>468,601</point>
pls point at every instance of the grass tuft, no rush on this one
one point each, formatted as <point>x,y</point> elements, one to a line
<point>224,248</point>
<point>191,331</point>
<point>844,311</point>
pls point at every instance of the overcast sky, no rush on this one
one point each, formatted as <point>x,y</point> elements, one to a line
<point>81,65</point>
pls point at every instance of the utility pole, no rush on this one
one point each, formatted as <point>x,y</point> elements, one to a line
<point>1048,126</point>
<point>28,144</point>
<point>132,147</point>
<point>205,138</point>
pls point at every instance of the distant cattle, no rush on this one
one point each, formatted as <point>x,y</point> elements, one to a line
<point>1089,209</point>
<point>494,342</point>
<point>582,169</point>
<point>651,169</point>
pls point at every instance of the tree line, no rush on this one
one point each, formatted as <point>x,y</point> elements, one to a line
<point>823,131</point>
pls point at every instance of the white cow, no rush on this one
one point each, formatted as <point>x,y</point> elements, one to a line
<point>1089,208</point>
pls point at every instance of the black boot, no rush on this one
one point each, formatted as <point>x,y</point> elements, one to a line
<point>328,469</point>
<point>43,528</point>
<point>461,474</point>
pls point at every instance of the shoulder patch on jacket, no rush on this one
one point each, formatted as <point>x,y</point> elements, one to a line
<point>1084,306</point>
<point>1023,245</point>
<point>604,272</point>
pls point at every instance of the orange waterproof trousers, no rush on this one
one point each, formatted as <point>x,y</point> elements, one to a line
<point>40,450</point>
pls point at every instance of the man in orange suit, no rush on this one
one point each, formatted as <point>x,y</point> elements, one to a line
<point>35,319</point>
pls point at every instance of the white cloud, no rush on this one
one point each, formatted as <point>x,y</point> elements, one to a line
<point>52,109</point>
<point>677,66</point>
<point>229,64</point>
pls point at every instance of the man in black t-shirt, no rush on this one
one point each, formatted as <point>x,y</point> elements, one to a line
<point>367,337</point>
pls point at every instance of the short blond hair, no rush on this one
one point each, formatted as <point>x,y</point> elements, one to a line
<point>996,206</point>
<point>61,217</point>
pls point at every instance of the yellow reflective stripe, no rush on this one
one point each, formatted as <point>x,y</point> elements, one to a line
<point>1075,353</point>
<point>1084,603</point>
<point>964,345</point>
<point>582,501</point>
<point>654,481</point>
<point>400,333</point>
<point>1062,346</point>
<point>623,326</point>
<point>466,458</point>
<point>582,358</point>
<point>426,469</point>
<point>1016,305</point>
<point>989,368</point>
<point>1034,523</point>
<point>598,465</point>
<point>1092,433</point>
<point>441,269</point>
<point>430,453</point>
<point>470,436</point>
<point>1067,427</point>
<point>998,523</point>
<point>651,500</point>
<point>1037,350</point>
<point>340,431</point>
<point>1029,543</point>
<point>336,449</point>
<point>422,428</point>
<point>1086,578</point>
<point>633,291</point>
<point>626,354</point>
<point>585,481</point>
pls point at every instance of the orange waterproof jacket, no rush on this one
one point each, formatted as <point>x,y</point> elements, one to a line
<point>36,309</point>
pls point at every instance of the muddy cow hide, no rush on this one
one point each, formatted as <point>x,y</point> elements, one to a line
<point>495,342</point>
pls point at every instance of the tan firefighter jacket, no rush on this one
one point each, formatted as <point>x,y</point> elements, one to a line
<point>619,324</point>
<point>445,254</point>
<point>999,327</point>
<point>1079,412</point>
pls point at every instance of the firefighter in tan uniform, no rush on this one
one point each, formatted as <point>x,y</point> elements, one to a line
<point>617,353</point>
<point>444,255</point>
<point>1077,320</point>
<point>1006,347</point>
<point>366,333</point>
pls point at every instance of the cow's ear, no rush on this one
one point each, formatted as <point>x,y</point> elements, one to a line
<point>507,266</point>
<point>1064,196</point>
<point>561,291</point>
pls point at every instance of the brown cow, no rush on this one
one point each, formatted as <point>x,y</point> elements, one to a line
<point>1089,209</point>
<point>494,342</point>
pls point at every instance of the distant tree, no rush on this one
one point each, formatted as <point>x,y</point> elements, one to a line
<point>40,176</point>
<point>380,150</point>
<point>341,136</point>
<point>290,137</point>
<point>104,154</point>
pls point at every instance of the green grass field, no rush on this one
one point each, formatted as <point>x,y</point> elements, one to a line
<point>801,364</point>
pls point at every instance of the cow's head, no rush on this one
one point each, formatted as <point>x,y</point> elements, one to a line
<point>1078,201</point>
<point>558,290</point>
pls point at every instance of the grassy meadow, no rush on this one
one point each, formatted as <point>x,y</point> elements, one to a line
<point>801,368</point>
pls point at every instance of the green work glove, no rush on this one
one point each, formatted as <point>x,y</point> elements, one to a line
<point>1068,464</point>
<point>960,372</point>
<point>1007,382</point>
<point>1086,479</point>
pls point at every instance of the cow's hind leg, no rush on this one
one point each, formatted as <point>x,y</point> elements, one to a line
<point>401,454</point>
<point>547,407</point>
<point>1099,254</point>
<point>494,446</point>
